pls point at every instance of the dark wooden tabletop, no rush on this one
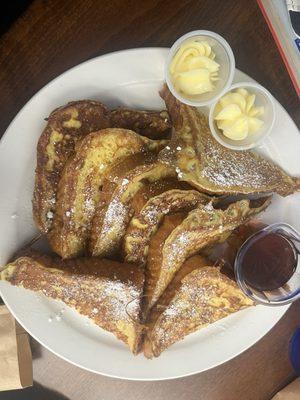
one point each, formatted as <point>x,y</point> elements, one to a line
<point>54,35</point>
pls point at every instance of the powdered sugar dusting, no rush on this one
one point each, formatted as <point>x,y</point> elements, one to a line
<point>125,182</point>
<point>204,296</point>
<point>103,298</point>
<point>229,168</point>
<point>210,165</point>
<point>147,221</point>
<point>50,215</point>
<point>115,215</point>
<point>89,205</point>
<point>208,207</point>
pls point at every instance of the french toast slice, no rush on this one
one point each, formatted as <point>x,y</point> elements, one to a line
<point>65,126</point>
<point>145,223</point>
<point>80,185</point>
<point>153,124</point>
<point>213,168</point>
<point>113,215</point>
<point>199,295</point>
<point>107,292</point>
<point>152,269</point>
<point>203,227</point>
<point>153,189</point>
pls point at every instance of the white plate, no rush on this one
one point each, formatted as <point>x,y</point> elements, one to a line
<point>132,78</point>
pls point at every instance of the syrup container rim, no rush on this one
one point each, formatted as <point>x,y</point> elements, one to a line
<point>272,303</point>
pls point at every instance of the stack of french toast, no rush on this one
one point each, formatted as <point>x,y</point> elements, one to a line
<point>131,203</point>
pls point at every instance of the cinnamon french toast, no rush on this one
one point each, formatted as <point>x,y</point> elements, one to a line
<point>65,126</point>
<point>107,292</point>
<point>145,223</point>
<point>199,295</point>
<point>80,185</point>
<point>153,124</point>
<point>202,227</point>
<point>113,215</point>
<point>213,168</point>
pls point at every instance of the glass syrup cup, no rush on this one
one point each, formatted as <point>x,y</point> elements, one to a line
<point>285,294</point>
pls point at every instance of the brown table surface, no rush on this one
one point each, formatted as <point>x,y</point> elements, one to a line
<point>54,35</point>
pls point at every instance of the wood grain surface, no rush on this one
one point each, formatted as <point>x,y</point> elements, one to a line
<point>54,35</point>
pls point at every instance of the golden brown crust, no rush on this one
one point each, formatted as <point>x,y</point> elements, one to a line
<point>107,292</point>
<point>199,295</point>
<point>65,126</point>
<point>202,227</point>
<point>153,267</point>
<point>80,185</point>
<point>213,168</point>
<point>144,224</point>
<point>111,218</point>
<point>154,189</point>
<point>153,124</point>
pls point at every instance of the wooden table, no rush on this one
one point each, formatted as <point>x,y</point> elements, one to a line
<point>55,35</point>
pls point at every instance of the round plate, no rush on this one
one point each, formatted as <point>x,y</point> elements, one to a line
<point>130,78</point>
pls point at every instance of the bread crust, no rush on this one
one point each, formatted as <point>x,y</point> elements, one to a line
<point>107,292</point>
<point>199,295</point>
<point>80,185</point>
<point>203,227</point>
<point>65,127</point>
<point>212,168</point>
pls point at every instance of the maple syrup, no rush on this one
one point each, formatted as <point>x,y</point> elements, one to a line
<point>269,261</point>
